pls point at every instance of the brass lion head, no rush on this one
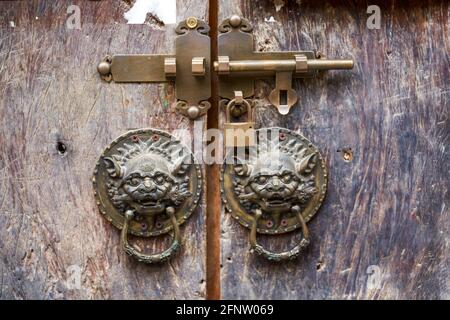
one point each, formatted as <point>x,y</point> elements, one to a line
<point>276,179</point>
<point>147,176</point>
<point>282,174</point>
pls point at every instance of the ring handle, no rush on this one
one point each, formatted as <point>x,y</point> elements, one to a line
<point>157,257</point>
<point>279,256</point>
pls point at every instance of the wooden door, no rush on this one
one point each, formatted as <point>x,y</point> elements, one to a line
<point>383,128</point>
<point>56,118</point>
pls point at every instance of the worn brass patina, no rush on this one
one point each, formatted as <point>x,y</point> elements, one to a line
<point>277,188</point>
<point>147,184</point>
<point>239,65</point>
<point>189,67</point>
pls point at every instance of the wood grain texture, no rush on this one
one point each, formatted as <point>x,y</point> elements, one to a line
<point>50,93</point>
<point>383,231</point>
<point>213,212</point>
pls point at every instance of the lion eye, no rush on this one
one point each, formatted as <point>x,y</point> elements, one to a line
<point>286,178</point>
<point>262,179</point>
<point>134,181</point>
<point>159,179</point>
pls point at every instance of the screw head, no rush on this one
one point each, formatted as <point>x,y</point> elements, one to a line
<point>192,22</point>
<point>235,21</point>
<point>193,112</point>
<point>104,68</point>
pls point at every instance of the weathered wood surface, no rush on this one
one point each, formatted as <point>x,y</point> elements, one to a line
<point>50,93</point>
<point>383,230</point>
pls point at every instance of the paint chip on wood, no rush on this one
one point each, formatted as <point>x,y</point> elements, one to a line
<point>166,11</point>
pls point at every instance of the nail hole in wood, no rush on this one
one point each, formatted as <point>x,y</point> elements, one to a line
<point>319,265</point>
<point>61,148</point>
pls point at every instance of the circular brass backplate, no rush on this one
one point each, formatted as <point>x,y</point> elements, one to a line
<point>284,170</point>
<point>165,162</point>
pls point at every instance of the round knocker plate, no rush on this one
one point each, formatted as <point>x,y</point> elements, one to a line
<point>282,174</point>
<point>145,172</point>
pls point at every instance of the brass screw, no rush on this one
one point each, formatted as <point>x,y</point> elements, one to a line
<point>192,22</point>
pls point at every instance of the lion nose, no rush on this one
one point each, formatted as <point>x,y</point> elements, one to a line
<point>275,184</point>
<point>149,185</point>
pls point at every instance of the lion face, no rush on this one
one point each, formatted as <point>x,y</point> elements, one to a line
<point>275,182</point>
<point>147,189</point>
<point>274,191</point>
<point>146,182</point>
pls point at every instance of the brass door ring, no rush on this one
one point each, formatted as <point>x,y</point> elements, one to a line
<point>147,183</point>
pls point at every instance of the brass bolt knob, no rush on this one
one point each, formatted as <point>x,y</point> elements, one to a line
<point>104,68</point>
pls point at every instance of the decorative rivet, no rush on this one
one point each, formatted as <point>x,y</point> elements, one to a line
<point>193,112</point>
<point>235,21</point>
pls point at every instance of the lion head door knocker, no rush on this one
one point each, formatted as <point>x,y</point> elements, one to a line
<point>147,184</point>
<point>276,189</point>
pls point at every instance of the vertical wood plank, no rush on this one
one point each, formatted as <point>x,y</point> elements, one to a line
<point>382,232</point>
<point>50,96</point>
